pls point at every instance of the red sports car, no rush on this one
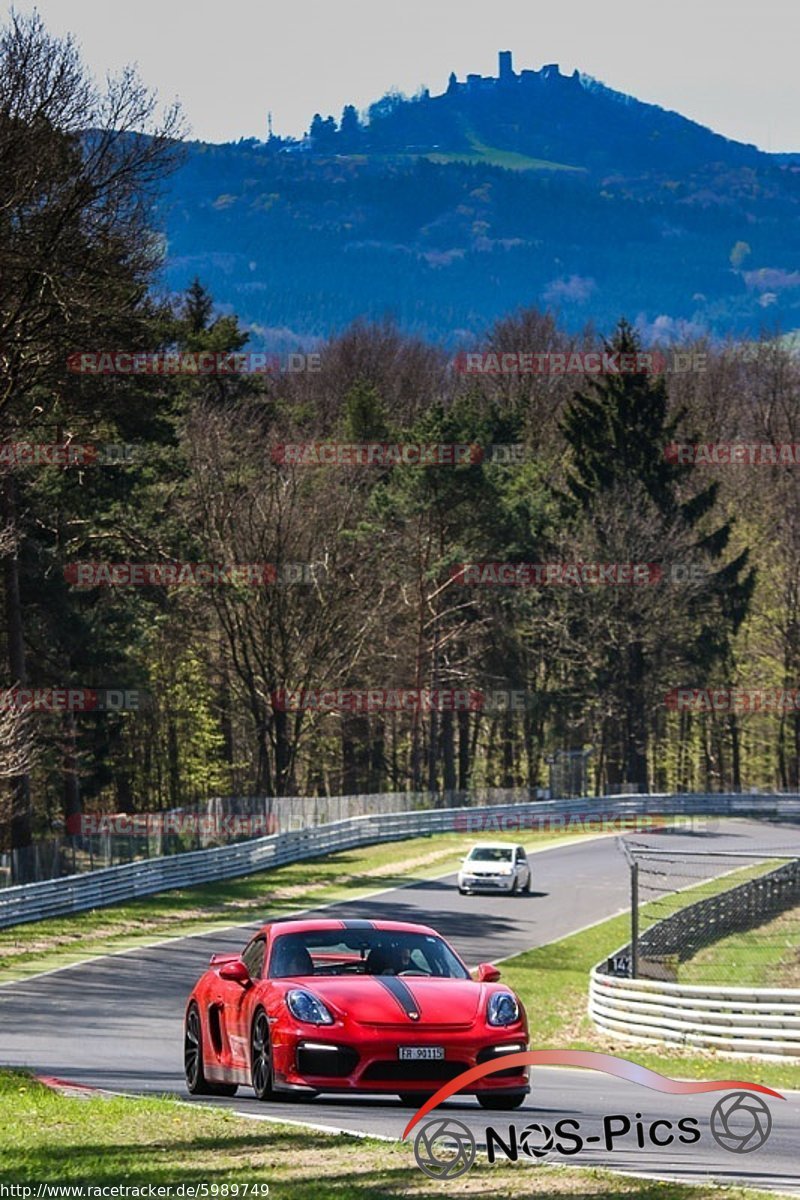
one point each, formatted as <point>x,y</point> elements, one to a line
<point>350,1006</point>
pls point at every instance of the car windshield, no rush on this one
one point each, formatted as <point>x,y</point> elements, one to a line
<point>363,952</point>
<point>491,854</point>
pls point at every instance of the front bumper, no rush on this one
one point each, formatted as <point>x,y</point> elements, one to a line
<point>486,883</point>
<point>339,1061</point>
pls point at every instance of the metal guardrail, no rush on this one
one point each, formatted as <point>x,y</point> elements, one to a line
<point>757,1021</point>
<point>77,893</point>
<point>107,840</point>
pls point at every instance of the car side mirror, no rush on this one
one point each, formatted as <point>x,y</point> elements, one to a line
<point>235,971</point>
<point>487,973</point>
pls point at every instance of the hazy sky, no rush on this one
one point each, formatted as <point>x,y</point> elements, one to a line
<point>729,64</point>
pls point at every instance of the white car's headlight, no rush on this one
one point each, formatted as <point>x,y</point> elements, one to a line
<point>308,1007</point>
<point>503,1009</point>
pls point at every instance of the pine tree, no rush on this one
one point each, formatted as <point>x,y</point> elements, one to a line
<point>350,127</point>
<point>627,497</point>
<point>322,132</point>
<point>197,307</point>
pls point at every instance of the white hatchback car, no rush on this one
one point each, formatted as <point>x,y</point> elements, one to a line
<point>495,867</point>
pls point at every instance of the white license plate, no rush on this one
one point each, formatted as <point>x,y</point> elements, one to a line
<point>417,1052</point>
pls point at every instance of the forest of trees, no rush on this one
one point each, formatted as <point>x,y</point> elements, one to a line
<point>366,593</point>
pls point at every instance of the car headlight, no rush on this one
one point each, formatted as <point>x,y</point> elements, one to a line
<point>503,1009</point>
<point>308,1007</point>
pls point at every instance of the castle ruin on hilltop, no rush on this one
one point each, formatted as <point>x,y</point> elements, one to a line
<point>508,77</point>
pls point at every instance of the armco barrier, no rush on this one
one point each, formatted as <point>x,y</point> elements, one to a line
<point>759,1021</point>
<point>756,1021</point>
<point>76,893</point>
<point>97,841</point>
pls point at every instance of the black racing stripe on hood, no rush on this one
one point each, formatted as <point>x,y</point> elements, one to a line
<point>402,994</point>
<point>358,924</point>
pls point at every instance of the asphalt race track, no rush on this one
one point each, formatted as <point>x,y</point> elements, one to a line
<point>116,1022</point>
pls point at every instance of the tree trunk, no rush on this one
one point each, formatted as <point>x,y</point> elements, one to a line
<point>226,713</point>
<point>173,759</point>
<point>282,751</point>
<point>21,809</point>
<point>377,755</point>
<point>416,752</point>
<point>736,753</point>
<point>684,750</point>
<point>124,790</point>
<point>611,753</point>
<point>448,752</point>
<point>636,720</point>
<point>264,784</point>
<point>463,750</point>
<point>531,755</point>
<point>433,752</point>
<point>72,786</point>
<point>507,732</point>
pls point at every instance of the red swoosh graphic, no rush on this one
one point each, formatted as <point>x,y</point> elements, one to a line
<point>623,1068</point>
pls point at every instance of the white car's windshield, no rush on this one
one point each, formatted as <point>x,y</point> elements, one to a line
<point>491,854</point>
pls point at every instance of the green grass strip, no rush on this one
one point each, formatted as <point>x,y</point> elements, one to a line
<point>45,1136</point>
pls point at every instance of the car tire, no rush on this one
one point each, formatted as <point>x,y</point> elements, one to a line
<point>414,1099</point>
<point>463,892</point>
<point>501,1100</point>
<point>196,1082</point>
<point>261,1058</point>
<point>514,886</point>
<point>527,887</point>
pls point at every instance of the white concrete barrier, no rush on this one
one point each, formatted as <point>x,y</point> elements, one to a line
<point>759,1021</point>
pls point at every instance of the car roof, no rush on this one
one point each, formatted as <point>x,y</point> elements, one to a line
<point>310,924</point>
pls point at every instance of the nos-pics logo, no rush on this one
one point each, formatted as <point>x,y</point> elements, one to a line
<point>445,1148</point>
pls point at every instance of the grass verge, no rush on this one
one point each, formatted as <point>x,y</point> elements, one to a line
<point>45,1136</point>
<point>511,160</point>
<point>348,875</point>
<point>553,983</point>
<point>768,956</point>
